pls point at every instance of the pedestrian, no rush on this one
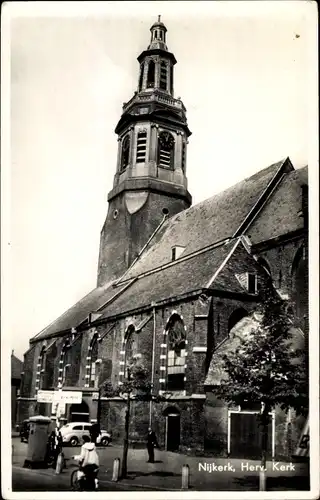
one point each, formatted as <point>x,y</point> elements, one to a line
<point>151,443</point>
<point>88,461</point>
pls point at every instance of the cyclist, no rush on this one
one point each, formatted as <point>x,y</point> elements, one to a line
<point>88,462</point>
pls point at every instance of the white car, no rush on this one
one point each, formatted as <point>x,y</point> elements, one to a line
<point>73,432</point>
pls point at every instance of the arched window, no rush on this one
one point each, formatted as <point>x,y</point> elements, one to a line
<point>171,79</point>
<point>299,277</point>
<point>235,317</point>
<point>64,363</point>
<point>141,76</point>
<point>165,150</point>
<point>141,147</point>
<point>176,354</point>
<point>183,159</point>
<point>130,349</point>
<point>125,152</point>
<point>92,362</point>
<point>163,75</point>
<point>41,369</point>
<point>151,73</point>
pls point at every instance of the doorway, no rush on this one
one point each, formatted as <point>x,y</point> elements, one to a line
<point>173,432</point>
<point>245,436</point>
<point>79,412</point>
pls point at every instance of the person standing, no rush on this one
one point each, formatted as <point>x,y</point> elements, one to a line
<point>151,443</point>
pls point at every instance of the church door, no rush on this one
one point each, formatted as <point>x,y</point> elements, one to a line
<point>173,432</point>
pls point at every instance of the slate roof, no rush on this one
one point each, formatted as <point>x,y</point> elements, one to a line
<point>208,222</point>
<point>74,316</point>
<point>16,367</point>
<point>280,214</point>
<point>182,277</point>
<point>241,331</point>
<point>202,225</point>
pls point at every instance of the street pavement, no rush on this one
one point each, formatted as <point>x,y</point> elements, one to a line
<point>206,474</point>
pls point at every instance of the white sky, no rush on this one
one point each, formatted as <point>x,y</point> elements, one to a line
<point>242,73</point>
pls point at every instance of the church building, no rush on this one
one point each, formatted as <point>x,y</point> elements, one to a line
<point>175,284</point>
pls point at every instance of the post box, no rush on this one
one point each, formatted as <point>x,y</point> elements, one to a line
<point>37,443</point>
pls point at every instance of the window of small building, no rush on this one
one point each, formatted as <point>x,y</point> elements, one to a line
<point>125,152</point>
<point>163,75</point>
<point>252,283</point>
<point>166,150</point>
<point>141,147</point>
<point>176,354</point>
<point>151,73</point>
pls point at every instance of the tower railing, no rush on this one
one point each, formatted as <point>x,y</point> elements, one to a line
<point>154,96</point>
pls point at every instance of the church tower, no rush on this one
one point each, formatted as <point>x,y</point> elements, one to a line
<point>150,182</point>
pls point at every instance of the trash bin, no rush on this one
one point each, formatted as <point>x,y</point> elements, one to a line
<point>37,444</point>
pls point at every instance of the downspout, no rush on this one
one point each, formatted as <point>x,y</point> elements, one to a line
<point>153,362</point>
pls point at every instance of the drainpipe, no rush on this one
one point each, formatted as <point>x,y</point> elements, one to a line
<point>153,362</point>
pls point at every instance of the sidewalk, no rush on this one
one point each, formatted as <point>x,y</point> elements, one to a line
<point>209,474</point>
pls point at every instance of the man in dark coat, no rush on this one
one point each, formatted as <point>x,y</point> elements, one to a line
<point>151,443</point>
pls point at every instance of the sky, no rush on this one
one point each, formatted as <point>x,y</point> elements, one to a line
<point>244,73</point>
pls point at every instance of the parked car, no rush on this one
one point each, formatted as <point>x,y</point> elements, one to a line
<point>73,432</point>
<point>24,430</point>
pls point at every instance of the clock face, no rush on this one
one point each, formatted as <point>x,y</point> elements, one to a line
<point>166,139</point>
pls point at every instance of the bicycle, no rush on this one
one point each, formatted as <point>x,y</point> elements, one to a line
<point>88,482</point>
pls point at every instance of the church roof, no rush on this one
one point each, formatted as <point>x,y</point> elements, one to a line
<point>280,214</point>
<point>79,312</point>
<point>208,222</point>
<point>207,233</point>
<point>16,367</point>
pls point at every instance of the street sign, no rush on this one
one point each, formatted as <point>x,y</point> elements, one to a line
<point>65,397</point>
<point>68,397</point>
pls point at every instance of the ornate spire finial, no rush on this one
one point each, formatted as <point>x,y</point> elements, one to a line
<point>159,18</point>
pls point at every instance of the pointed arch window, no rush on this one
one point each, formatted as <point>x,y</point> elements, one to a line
<point>183,159</point>
<point>171,79</point>
<point>166,150</point>
<point>93,354</point>
<point>151,73</point>
<point>176,354</point>
<point>141,147</point>
<point>163,75</point>
<point>64,363</point>
<point>125,152</point>
<point>130,349</point>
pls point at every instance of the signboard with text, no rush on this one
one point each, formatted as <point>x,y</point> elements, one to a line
<point>65,397</point>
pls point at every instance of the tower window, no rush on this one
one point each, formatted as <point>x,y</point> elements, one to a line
<point>163,75</point>
<point>141,76</point>
<point>166,150</point>
<point>125,152</point>
<point>171,79</point>
<point>151,72</point>
<point>141,147</point>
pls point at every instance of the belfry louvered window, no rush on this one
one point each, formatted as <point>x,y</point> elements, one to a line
<point>141,147</point>
<point>141,76</point>
<point>183,159</point>
<point>125,152</point>
<point>151,73</point>
<point>165,150</point>
<point>163,75</point>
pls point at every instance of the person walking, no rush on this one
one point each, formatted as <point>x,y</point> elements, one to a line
<point>151,443</point>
